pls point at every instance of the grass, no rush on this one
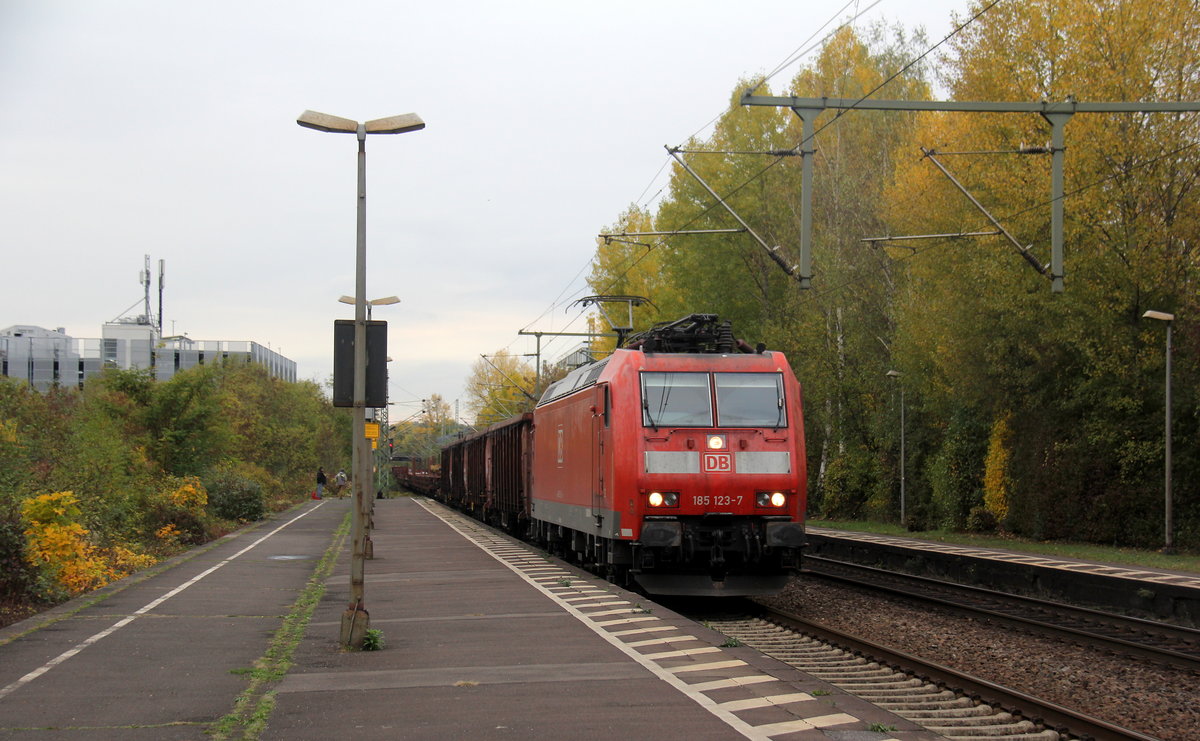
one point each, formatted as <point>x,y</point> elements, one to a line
<point>1063,549</point>
<point>253,707</point>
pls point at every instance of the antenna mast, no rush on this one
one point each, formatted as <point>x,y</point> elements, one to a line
<point>162,271</point>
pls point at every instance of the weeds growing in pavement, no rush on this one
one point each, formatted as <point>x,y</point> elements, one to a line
<point>373,640</point>
<point>253,707</point>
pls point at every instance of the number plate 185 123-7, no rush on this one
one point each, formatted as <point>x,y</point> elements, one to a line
<point>718,500</point>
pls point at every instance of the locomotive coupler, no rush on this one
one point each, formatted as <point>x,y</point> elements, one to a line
<point>716,563</point>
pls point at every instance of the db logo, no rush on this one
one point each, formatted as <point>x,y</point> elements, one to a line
<point>716,462</point>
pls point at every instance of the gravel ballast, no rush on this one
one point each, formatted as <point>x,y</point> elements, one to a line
<point>1141,696</point>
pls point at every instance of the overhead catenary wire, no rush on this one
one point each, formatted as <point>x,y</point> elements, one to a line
<point>799,53</point>
<point>831,290</point>
<point>836,119</point>
<point>783,153</point>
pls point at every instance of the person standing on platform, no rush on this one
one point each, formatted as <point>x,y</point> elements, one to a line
<point>339,483</point>
<point>321,481</point>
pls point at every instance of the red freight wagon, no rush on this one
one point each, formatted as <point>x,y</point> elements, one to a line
<point>487,473</point>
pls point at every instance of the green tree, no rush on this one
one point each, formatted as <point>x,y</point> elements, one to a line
<point>978,332</point>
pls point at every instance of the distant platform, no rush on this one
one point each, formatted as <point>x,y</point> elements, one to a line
<point>1165,594</point>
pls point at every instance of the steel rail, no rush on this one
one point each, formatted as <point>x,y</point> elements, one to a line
<point>1168,656</point>
<point>1063,720</point>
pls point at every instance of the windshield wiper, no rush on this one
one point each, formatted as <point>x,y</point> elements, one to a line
<point>646,406</point>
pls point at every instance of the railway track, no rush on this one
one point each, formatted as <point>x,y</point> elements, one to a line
<point>942,700</point>
<point>1170,645</point>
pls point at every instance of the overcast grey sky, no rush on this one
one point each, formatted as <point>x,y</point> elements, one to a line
<point>134,127</point>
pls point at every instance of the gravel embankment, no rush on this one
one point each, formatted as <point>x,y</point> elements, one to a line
<point>1140,696</point>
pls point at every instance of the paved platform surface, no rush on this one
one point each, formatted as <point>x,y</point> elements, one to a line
<point>163,654</point>
<point>486,638</point>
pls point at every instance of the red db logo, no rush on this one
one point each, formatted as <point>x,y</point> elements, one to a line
<point>716,462</point>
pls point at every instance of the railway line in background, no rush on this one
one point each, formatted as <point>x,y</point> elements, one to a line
<point>1172,645</point>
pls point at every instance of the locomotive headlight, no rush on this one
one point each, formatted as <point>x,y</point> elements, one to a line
<point>771,499</point>
<point>663,499</point>
<point>716,442</point>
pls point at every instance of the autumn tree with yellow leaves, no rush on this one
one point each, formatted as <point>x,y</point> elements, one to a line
<point>501,385</point>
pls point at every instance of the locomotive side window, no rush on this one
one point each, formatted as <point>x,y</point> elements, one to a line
<point>676,400</point>
<point>750,400</point>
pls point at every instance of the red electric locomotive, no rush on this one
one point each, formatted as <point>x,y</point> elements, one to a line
<point>677,461</point>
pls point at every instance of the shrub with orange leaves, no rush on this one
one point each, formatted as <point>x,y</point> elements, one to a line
<point>58,544</point>
<point>189,496</point>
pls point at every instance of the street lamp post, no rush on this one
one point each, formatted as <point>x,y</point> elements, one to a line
<point>355,620</point>
<point>895,375</point>
<point>1169,524</point>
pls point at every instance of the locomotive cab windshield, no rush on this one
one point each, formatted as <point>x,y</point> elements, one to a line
<point>686,400</point>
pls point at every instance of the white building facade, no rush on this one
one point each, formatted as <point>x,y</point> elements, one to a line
<point>46,358</point>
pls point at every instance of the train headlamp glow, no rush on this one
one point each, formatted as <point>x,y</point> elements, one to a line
<point>771,499</point>
<point>663,499</point>
<point>716,442</point>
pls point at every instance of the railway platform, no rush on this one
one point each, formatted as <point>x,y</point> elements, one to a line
<point>486,638</point>
<point>1155,593</point>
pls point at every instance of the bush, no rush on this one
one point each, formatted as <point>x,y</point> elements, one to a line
<point>60,547</point>
<point>233,496</point>
<point>956,471</point>
<point>18,578</point>
<point>848,482</point>
<point>981,520</point>
<point>177,511</point>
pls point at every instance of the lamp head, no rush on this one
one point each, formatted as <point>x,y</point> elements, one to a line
<point>395,124</point>
<point>1160,315</point>
<point>326,122</point>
